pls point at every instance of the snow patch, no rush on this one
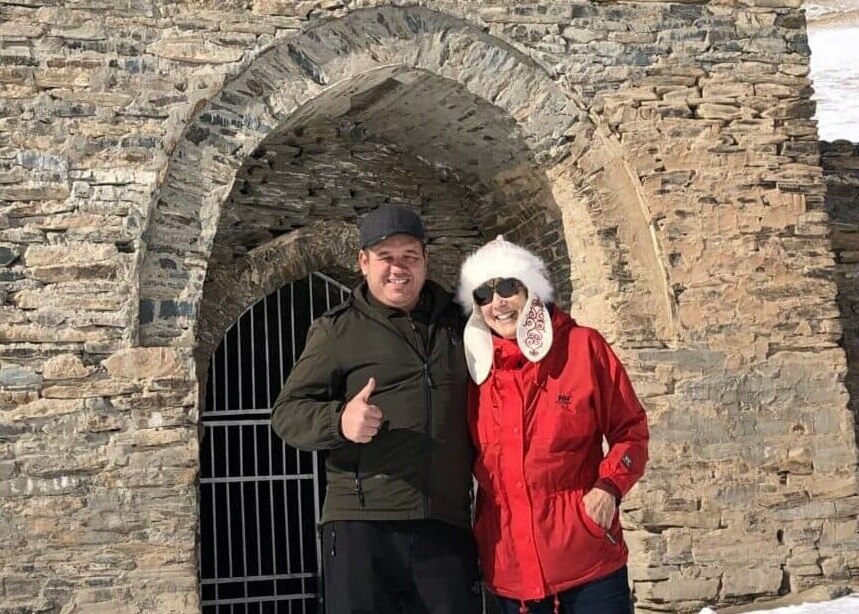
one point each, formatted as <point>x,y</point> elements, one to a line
<point>844,605</point>
<point>835,73</point>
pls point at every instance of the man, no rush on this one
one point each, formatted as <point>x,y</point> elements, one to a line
<point>382,384</point>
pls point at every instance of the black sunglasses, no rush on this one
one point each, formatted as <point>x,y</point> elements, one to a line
<point>505,288</point>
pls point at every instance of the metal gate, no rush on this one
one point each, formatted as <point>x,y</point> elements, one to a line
<point>259,498</point>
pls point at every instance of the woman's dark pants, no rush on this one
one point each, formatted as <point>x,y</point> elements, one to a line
<point>609,595</point>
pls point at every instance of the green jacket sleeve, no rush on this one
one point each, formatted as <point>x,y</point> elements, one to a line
<point>306,414</point>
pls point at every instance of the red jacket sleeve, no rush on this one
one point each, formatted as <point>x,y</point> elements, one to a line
<point>622,420</point>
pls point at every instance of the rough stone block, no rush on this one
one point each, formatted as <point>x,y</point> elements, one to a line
<point>751,581</point>
<point>65,366</point>
<point>145,363</point>
<point>34,191</point>
<point>17,376</point>
<point>681,588</point>
<point>194,50</point>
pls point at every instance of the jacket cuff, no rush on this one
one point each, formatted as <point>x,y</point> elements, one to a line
<point>609,487</point>
<point>336,426</point>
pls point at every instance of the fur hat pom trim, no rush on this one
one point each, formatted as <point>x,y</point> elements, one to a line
<point>501,259</point>
<point>534,333</point>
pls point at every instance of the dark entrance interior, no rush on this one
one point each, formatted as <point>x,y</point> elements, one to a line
<point>259,498</point>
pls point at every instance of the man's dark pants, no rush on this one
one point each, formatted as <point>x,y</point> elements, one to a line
<point>399,567</point>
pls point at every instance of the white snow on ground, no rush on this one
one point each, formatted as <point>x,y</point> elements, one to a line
<point>822,11</point>
<point>835,73</point>
<point>844,605</point>
<point>833,36</point>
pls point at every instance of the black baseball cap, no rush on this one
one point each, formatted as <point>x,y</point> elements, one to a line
<point>388,220</point>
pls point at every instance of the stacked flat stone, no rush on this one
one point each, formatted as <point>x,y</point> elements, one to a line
<point>163,165</point>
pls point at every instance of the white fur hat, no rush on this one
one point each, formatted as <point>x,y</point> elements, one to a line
<point>500,259</point>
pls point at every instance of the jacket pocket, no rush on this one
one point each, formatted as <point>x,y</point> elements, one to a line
<point>611,536</point>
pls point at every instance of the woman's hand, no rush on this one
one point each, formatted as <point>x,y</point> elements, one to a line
<point>600,506</point>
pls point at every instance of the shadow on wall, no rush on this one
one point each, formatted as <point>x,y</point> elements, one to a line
<point>840,161</point>
<point>459,108</point>
<point>414,139</point>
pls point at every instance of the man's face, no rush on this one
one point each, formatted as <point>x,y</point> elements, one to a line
<point>395,269</point>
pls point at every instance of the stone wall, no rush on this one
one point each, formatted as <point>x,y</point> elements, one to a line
<point>840,161</point>
<point>661,156</point>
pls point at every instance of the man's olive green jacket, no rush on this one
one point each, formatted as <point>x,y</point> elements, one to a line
<point>419,464</point>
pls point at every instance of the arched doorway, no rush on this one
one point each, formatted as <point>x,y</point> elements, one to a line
<point>420,109</point>
<point>259,498</point>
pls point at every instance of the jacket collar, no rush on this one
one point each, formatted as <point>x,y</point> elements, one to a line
<point>486,351</point>
<point>534,335</point>
<point>433,299</point>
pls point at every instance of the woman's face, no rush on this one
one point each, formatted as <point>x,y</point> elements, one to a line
<point>502,314</point>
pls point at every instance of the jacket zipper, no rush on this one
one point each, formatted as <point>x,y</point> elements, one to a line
<point>359,489</point>
<point>428,429</point>
<point>428,386</point>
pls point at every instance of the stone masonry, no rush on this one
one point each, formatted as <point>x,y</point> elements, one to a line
<point>164,165</point>
<point>840,161</point>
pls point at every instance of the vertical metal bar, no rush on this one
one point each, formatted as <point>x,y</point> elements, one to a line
<point>253,361</point>
<point>267,433</point>
<point>271,443</point>
<point>293,503</point>
<point>292,318</point>
<point>267,352</point>
<point>226,368</point>
<point>283,447</point>
<point>212,404</point>
<point>241,404</point>
<point>280,331</point>
<point>271,513</point>
<point>229,503</point>
<point>242,501</point>
<point>300,497</point>
<point>256,495</point>
<point>286,522</point>
<point>238,351</point>
<point>317,512</point>
<point>317,504</point>
<point>211,430</point>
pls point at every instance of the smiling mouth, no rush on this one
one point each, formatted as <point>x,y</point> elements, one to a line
<point>505,317</point>
<point>398,281</point>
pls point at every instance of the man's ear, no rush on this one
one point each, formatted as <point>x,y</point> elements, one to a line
<point>363,261</point>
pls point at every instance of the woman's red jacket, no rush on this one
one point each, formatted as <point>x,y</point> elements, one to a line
<point>539,433</point>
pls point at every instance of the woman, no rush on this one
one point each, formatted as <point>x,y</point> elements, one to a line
<point>547,392</point>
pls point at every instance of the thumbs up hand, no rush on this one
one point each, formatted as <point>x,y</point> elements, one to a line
<point>361,420</point>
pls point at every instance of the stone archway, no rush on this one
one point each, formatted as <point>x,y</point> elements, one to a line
<point>494,135</point>
<point>689,180</point>
<point>337,63</point>
<point>323,245</point>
